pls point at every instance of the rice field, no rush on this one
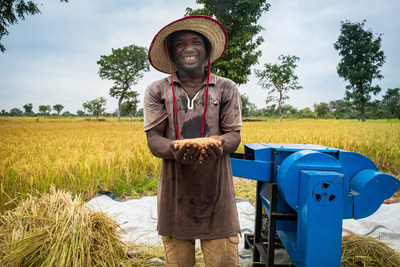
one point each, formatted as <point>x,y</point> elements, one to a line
<point>84,156</point>
<point>81,157</point>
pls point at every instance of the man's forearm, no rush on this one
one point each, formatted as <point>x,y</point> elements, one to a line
<point>158,144</point>
<point>231,141</point>
<point>160,147</point>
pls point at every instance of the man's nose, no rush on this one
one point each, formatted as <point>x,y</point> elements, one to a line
<point>189,47</point>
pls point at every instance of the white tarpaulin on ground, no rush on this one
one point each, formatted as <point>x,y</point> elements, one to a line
<point>138,217</point>
<point>384,225</point>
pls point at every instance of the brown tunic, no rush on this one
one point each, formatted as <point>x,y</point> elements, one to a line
<point>195,203</point>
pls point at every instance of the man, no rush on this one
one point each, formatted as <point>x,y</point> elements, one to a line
<point>196,198</point>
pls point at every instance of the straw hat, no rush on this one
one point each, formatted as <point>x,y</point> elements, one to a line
<point>207,26</point>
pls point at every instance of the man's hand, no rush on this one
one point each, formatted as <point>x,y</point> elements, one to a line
<point>186,154</point>
<point>195,153</point>
<point>212,152</point>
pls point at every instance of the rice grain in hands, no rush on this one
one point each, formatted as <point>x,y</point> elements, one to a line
<point>204,141</point>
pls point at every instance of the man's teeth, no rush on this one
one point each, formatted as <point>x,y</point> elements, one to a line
<point>191,58</point>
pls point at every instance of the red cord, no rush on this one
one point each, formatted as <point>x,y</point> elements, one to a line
<point>206,99</point>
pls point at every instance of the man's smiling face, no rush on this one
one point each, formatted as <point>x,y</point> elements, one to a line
<point>188,51</point>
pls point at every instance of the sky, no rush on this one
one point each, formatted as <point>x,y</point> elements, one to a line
<point>51,58</point>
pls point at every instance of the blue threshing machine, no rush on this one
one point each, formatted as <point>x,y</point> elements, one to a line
<point>306,191</point>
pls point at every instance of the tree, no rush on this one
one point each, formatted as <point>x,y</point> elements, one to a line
<point>130,106</point>
<point>374,110</point>
<point>11,10</point>
<point>247,106</point>
<point>338,108</point>
<point>28,109</point>
<point>125,66</point>
<point>342,109</point>
<point>270,111</point>
<point>16,112</point>
<point>45,109</point>
<point>306,113</point>
<point>80,113</point>
<point>139,113</point>
<point>321,109</point>
<point>67,114</point>
<point>279,78</point>
<point>95,106</point>
<point>391,102</point>
<point>361,61</point>
<point>58,108</point>
<point>289,109</point>
<point>240,20</point>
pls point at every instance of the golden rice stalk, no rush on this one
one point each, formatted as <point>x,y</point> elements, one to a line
<point>58,230</point>
<point>201,141</point>
<point>367,251</point>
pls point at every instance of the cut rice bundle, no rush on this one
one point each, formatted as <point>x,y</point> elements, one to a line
<point>57,230</point>
<point>367,251</point>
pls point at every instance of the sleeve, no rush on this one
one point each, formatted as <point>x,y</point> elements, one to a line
<point>154,110</point>
<point>231,109</point>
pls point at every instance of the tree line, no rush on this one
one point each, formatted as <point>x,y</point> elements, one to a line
<point>386,108</point>
<point>95,107</point>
